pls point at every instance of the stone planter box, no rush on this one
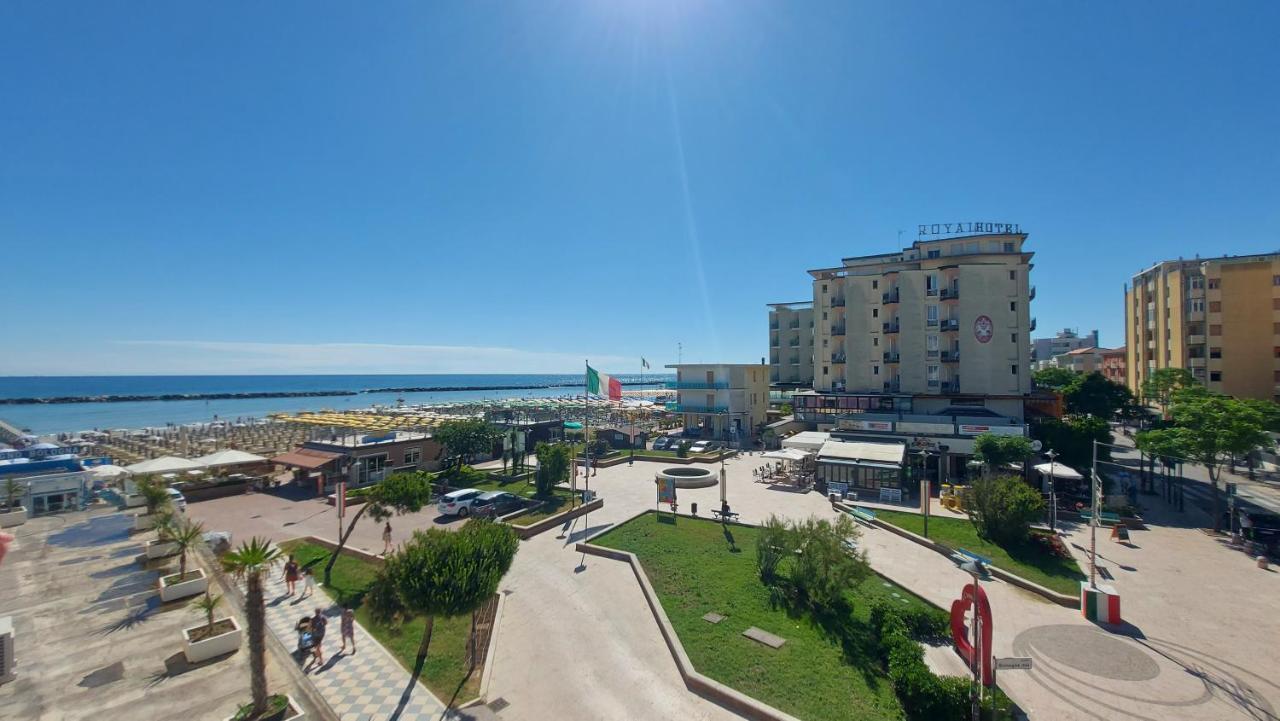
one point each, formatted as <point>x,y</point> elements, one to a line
<point>134,500</point>
<point>294,712</point>
<point>184,589</point>
<point>212,647</point>
<point>160,549</point>
<point>145,521</point>
<point>15,517</point>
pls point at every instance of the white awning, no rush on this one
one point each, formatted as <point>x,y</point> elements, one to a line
<point>107,472</point>
<point>891,453</point>
<point>789,454</point>
<point>228,457</point>
<point>1066,473</point>
<point>806,440</point>
<point>163,464</point>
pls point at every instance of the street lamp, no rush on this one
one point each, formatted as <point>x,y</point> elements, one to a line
<point>974,569</point>
<point>1053,493</point>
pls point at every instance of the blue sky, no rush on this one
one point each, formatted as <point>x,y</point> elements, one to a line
<point>513,186</point>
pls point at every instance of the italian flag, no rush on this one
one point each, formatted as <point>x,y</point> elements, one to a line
<point>603,385</point>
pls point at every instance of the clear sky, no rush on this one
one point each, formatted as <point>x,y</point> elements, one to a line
<point>514,186</point>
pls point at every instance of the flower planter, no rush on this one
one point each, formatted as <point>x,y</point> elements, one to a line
<point>15,517</point>
<point>144,521</point>
<point>212,646</point>
<point>134,500</point>
<point>172,591</point>
<point>293,713</point>
<point>160,549</point>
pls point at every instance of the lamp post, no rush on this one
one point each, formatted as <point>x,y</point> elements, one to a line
<point>1053,493</point>
<point>975,688</point>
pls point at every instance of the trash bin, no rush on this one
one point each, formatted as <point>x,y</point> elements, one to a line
<point>694,508</point>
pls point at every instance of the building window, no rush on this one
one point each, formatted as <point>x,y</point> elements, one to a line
<point>824,315</point>
<point>932,314</point>
<point>932,372</point>
<point>875,312</point>
<point>875,370</point>
<point>875,341</point>
<point>1013,369</point>
<point>1215,329</point>
<point>1215,376</point>
<point>931,284</point>
<point>931,342</point>
<point>875,284</point>
<point>1013,306</point>
<point>957,249</point>
<point>1275,328</point>
<point>934,253</point>
<point>1215,352</point>
<point>1197,282</point>
<point>1197,305</point>
<point>412,456</point>
<point>1275,304</point>
<point>824,370</point>
<point>824,342</point>
<point>1213,283</point>
<point>824,287</point>
<point>1013,275</point>
<point>1013,338</point>
<point>1008,247</point>
<point>1275,280</point>
<point>1215,306</point>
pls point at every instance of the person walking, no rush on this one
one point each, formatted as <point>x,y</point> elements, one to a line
<point>308,583</point>
<point>318,623</point>
<point>290,575</point>
<point>386,538</point>
<point>348,628</point>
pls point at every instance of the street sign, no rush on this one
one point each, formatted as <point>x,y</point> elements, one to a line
<point>1013,664</point>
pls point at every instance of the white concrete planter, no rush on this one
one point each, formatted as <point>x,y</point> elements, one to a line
<point>185,589</point>
<point>16,517</point>
<point>161,549</point>
<point>207,648</point>
<point>297,715</point>
<point>134,500</point>
<point>144,521</point>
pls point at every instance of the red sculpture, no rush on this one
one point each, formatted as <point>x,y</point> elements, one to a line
<point>973,594</point>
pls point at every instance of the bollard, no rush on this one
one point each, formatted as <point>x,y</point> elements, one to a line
<point>1262,562</point>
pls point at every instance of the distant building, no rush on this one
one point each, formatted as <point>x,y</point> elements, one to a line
<point>721,401</point>
<point>360,459</point>
<point>791,345</point>
<point>1215,317</point>
<point>1113,365</point>
<point>47,481</point>
<point>1080,360</point>
<point>623,437</point>
<point>1067,340</point>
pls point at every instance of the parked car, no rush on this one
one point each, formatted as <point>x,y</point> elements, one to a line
<point>699,447</point>
<point>496,503</point>
<point>458,503</point>
<point>178,500</point>
<point>661,443</point>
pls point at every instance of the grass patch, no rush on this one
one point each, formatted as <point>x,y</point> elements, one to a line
<point>445,671</point>
<point>558,503</point>
<point>1030,560</point>
<point>698,566</point>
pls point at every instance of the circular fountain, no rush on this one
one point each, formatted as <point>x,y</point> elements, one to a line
<point>686,477</point>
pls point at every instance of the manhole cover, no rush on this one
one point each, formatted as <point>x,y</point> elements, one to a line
<point>498,704</point>
<point>103,676</point>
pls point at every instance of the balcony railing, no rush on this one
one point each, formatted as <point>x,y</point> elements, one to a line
<point>687,408</point>
<point>891,357</point>
<point>892,386</point>
<point>837,302</point>
<point>795,360</point>
<point>773,342</point>
<point>950,293</point>
<point>1031,295</point>
<point>795,343</point>
<point>837,329</point>
<point>1033,324</point>
<point>1195,339</point>
<point>949,387</point>
<point>773,326</point>
<point>697,385</point>
<point>837,358</point>
<point>950,356</point>
<point>890,297</point>
<point>890,327</point>
<point>950,324</point>
<point>795,324</point>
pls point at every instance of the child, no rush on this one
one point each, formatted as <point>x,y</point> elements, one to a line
<point>290,575</point>
<point>308,581</point>
<point>348,627</point>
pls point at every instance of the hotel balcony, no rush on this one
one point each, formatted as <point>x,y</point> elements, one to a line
<point>773,341</point>
<point>837,302</point>
<point>950,293</point>
<point>795,360</point>
<point>795,325</point>
<point>1196,362</point>
<point>949,387</point>
<point>892,386</point>
<point>890,297</point>
<point>773,325</point>
<point>837,358</point>
<point>697,385</point>
<point>950,324</point>
<point>795,343</point>
<point>891,357</point>
<point>950,356</point>
<point>837,329</point>
<point>1195,339</point>
<point>890,327</point>
<point>1031,295</point>
<point>688,408</point>
<point>1033,324</point>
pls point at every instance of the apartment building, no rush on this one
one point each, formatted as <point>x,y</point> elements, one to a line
<point>1080,360</point>
<point>722,401</point>
<point>944,317</point>
<point>1217,317</point>
<point>1065,341</point>
<point>791,345</point>
<point>1113,365</point>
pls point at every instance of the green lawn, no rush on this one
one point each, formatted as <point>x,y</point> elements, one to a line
<point>445,670</point>
<point>1031,561</point>
<point>698,566</point>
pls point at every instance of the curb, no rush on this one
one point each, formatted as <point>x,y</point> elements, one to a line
<point>527,532</point>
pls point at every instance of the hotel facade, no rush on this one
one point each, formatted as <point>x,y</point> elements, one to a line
<point>791,345</point>
<point>1216,317</point>
<point>721,401</point>
<point>928,348</point>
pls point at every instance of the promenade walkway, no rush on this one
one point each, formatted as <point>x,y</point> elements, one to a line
<point>362,686</point>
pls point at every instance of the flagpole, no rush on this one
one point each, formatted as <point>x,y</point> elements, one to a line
<point>586,427</point>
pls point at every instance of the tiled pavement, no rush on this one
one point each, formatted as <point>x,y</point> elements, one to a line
<point>365,686</point>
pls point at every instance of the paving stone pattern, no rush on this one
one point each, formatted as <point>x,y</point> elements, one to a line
<point>370,684</point>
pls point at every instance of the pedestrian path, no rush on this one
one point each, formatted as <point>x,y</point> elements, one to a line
<point>362,686</point>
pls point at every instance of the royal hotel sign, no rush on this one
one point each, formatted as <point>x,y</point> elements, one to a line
<point>967,228</point>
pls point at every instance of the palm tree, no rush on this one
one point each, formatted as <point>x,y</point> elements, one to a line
<point>11,489</point>
<point>186,536</point>
<point>252,559</point>
<point>155,493</point>
<point>208,603</point>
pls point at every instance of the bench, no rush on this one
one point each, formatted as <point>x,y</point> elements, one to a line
<point>1106,518</point>
<point>862,514</point>
<point>723,515</point>
<point>961,556</point>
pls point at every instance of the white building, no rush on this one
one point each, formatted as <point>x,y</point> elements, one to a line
<point>724,401</point>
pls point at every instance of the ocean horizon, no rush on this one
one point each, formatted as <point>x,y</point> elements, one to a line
<point>43,419</point>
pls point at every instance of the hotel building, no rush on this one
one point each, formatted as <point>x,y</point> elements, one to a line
<point>1216,317</point>
<point>791,345</point>
<point>927,347</point>
<point>722,401</point>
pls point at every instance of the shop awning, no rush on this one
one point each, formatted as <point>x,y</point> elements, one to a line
<point>1060,471</point>
<point>860,464</point>
<point>306,458</point>
<point>789,454</point>
<point>807,440</point>
<point>883,453</point>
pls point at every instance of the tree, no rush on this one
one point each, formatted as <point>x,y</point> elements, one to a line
<point>397,494</point>
<point>554,462</point>
<point>154,493</point>
<point>1160,386</point>
<point>208,603</point>
<point>12,489</point>
<point>1072,439</point>
<point>682,449</point>
<point>1054,378</point>
<point>252,559</point>
<point>443,573</point>
<point>465,438</point>
<point>1002,508</point>
<point>186,536</point>
<point>996,451</point>
<point>1209,429</point>
<point>786,409</point>
<point>810,563</point>
<point>1269,410</point>
<point>1093,394</point>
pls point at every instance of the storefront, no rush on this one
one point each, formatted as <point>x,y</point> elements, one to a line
<point>863,466</point>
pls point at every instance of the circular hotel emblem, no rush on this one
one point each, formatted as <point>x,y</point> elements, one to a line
<point>983,329</point>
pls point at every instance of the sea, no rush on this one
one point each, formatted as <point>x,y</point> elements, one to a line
<point>42,419</point>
